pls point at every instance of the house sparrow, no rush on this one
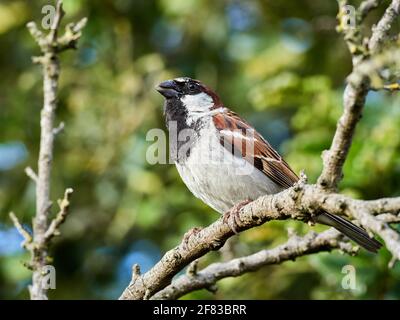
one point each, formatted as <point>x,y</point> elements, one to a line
<point>223,160</point>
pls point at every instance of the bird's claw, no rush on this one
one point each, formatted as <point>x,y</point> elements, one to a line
<point>232,218</point>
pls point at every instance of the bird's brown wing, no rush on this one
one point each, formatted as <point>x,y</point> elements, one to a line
<point>238,137</point>
<point>233,129</point>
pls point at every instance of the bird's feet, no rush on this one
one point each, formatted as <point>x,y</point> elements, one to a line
<point>187,236</point>
<point>231,217</point>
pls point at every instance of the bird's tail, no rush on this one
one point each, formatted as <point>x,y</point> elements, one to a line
<point>355,233</point>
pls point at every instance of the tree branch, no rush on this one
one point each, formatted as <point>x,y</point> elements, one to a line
<point>50,45</point>
<point>300,202</point>
<point>53,230</point>
<point>31,174</point>
<point>367,6</point>
<point>23,232</point>
<point>354,95</point>
<point>295,247</point>
<point>381,31</point>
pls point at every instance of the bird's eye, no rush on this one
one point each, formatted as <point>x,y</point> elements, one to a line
<point>191,86</point>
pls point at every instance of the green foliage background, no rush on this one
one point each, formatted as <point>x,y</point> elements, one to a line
<point>278,63</point>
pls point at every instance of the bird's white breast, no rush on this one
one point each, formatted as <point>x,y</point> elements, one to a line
<point>217,177</point>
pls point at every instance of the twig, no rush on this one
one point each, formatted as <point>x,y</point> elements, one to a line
<point>31,174</point>
<point>354,96</point>
<point>37,34</point>
<point>59,129</point>
<point>23,232</point>
<point>52,230</point>
<point>391,87</point>
<point>50,46</point>
<point>354,99</point>
<point>351,34</point>
<point>192,268</point>
<point>295,247</point>
<point>381,31</point>
<point>366,7</point>
<point>72,34</point>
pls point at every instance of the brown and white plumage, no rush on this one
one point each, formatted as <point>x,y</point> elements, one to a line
<point>225,160</point>
<point>263,157</point>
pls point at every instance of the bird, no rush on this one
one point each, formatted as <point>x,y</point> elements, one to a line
<point>224,161</point>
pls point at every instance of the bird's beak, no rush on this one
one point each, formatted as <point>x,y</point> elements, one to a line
<point>169,89</point>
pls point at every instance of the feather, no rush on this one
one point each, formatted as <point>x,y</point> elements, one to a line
<point>240,138</point>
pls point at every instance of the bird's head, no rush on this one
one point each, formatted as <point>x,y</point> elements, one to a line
<point>189,94</point>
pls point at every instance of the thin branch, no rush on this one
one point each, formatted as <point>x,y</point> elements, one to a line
<point>354,99</point>
<point>31,174</point>
<point>37,34</point>
<point>53,229</point>
<point>23,232</point>
<point>52,37</point>
<point>50,45</point>
<point>390,236</point>
<point>334,158</point>
<point>192,268</point>
<point>391,87</point>
<point>381,31</point>
<point>367,6</point>
<point>354,95</point>
<point>59,129</point>
<point>295,247</point>
<point>71,36</point>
